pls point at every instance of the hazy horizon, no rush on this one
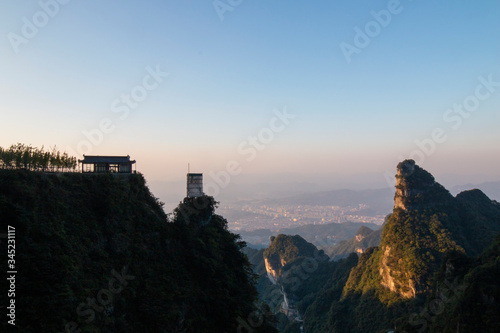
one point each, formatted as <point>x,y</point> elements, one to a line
<point>256,187</point>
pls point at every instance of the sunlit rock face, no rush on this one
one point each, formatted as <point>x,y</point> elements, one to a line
<point>283,250</point>
<point>359,238</point>
<point>417,188</point>
<point>272,273</point>
<point>273,268</point>
<point>393,279</point>
<point>403,191</point>
<point>426,224</point>
<point>406,192</point>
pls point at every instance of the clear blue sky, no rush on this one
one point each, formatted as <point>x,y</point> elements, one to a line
<point>225,78</point>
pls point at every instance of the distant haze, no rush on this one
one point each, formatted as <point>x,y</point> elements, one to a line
<point>172,192</point>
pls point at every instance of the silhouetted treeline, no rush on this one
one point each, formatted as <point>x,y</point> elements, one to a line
<point>21,156</point>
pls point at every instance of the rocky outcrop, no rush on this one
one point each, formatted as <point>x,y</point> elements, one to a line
<point>365,238</point>
<point>283,250</point>
<point>359,238</point>
<point>274,265</point>
<point>404,192</point>
<point>391,278</point>
<point>427,222</point>
<point>417,188</point>
<point>411,267</point>
<point>272,273</point>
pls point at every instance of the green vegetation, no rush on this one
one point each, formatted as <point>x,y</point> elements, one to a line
<point>415,243</point>
<point>329,231</point>
<point>21,156</point>
<point>364,231</point>
<point>419,189</point>
<point>324,277</point>
<point>357,302</point>
<point>434,270</point>
<point>289,248</point>
<point>365,238</point>
<point>416,240</point>
<point>256,259</point>
<point>97,253</point>
<point>418,243</point>
<point>477,221</point>
<point>464,298</point>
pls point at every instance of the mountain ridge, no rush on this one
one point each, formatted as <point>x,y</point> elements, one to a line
<point>97,253</point>
<point>427,221</point>
<point>395,285</point>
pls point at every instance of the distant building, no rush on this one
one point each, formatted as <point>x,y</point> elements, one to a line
<point>194,185</point>
<point>103,164</point>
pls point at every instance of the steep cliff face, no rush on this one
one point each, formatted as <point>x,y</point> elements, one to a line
<point>362,233</point>
<point>284,249</point>
<point>416,188</point>
<point>427,222</point>
<point>394,279</point>
<point>273,271</point>
<point>364,239</point>
<point>387,288</point>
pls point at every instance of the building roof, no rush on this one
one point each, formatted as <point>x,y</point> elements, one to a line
<point>105,159</point>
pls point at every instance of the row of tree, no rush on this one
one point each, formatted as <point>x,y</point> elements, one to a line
<point>21,156</point>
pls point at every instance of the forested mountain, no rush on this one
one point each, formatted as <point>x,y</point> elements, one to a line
<point>427,222</point>
<point>320,235</point>
<point>285,250</point>
<point>364,239</point>
<point>97,253</point>
<point>435,269</point>
<point>464,297</point>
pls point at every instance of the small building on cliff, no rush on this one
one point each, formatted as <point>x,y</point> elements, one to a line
<point>104,164</point>
<point>194,185</point>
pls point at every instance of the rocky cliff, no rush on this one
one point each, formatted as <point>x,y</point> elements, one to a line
<point>421,278</point>
<point>274,269</point>
<point>427,222</point>
<point>364,239</point>
<point>393,278</point>
<point>284,249</point>
<point>416,188</point>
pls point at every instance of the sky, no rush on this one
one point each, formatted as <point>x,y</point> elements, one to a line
<point>257,89</point>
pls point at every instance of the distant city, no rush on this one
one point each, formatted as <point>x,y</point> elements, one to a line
<point>254,207</point>
<point>247,216</point>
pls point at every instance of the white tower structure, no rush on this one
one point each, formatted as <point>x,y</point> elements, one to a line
<point>194,185</point>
